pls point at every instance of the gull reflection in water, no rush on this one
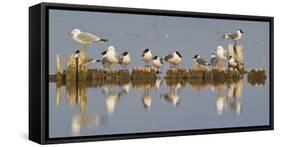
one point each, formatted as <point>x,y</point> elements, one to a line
<point>158,83</point>
<point>126,87</point>
<point>147,86</point>
<point>172,95</point>
<point>229,97</point>
<point>111,98</point>
<point>146,99</point>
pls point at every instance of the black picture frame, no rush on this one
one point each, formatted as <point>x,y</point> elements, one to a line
<point>38,72</point>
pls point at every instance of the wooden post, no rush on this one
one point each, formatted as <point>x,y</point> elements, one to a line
<point>71,68</point>
<point>82,65</point>
<point>237,52</point>
<point>59,68</point>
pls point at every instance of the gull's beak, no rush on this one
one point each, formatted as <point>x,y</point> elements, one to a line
<point>70,33</point>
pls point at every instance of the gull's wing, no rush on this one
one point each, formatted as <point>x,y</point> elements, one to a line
<point>214,60</point>
<point>168,57</point>
<point>161,61</point>
<point>88,37</point>
<point>201,61</point>
<point>233,35</point>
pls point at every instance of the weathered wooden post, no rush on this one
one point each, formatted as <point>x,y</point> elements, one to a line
<point>71,68</point>
<point>76,67</point>
<point>59,68</point>
<point>82,65</point>
<point>237,52</point>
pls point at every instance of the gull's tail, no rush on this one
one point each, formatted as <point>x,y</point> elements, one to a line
<point>104,40</point>
<point>225,36</point>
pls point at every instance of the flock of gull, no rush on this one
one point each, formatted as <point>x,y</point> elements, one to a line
<point>110,56</point>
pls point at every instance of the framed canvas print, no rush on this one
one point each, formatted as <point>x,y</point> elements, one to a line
<point>100,73</point>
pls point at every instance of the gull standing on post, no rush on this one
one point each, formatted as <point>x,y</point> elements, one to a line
<point>221,53</point>
<point>174,59</point>
<point>146,56</point>
<point>214,60</point>
<point>125,60</point>
<point>85,38</point>
<point>76,54</point>
<point>200,61</point>
<point>111,57</point>
<point>104,62</point>
<point>157,62</point>
<point>235,36</point>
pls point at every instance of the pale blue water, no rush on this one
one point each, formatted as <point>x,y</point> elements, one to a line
<point>133,33</point>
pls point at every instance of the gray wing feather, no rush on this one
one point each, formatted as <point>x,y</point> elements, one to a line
<point>168,57</point>
<point>201,61</point>
<point>214,60</point>
<point>233,35</point>
<point>88,37</point>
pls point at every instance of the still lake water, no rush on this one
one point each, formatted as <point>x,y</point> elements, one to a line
<point>127,109</point>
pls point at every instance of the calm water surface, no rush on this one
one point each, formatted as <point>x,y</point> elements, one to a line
<point>155,107</point>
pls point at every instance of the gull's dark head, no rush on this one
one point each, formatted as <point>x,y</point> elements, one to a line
<point>146,50</point>
<point>196,56</point>
<point>103,53</point>
<point>155,58</point>
<point>240,31</point>
<point>77,52</point>
<point>125,53</point>
<point>178,54</point>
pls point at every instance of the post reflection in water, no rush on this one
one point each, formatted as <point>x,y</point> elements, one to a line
<point>228,97</point>
<point>76,95</point>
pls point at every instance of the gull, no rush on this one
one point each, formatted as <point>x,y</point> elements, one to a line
<point>105,63</point>
<point>76,54</point>
<point>200,61</point>
<point>232,61</point>
<point>125,59</point>
<point>174,58</point>
<point>214,60</point>
<point>157,62</point>
<point>234,36</point>
<point>110,57</point>
<point>85,38</point>
<point>146,56</point>
<point>221,53</point>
